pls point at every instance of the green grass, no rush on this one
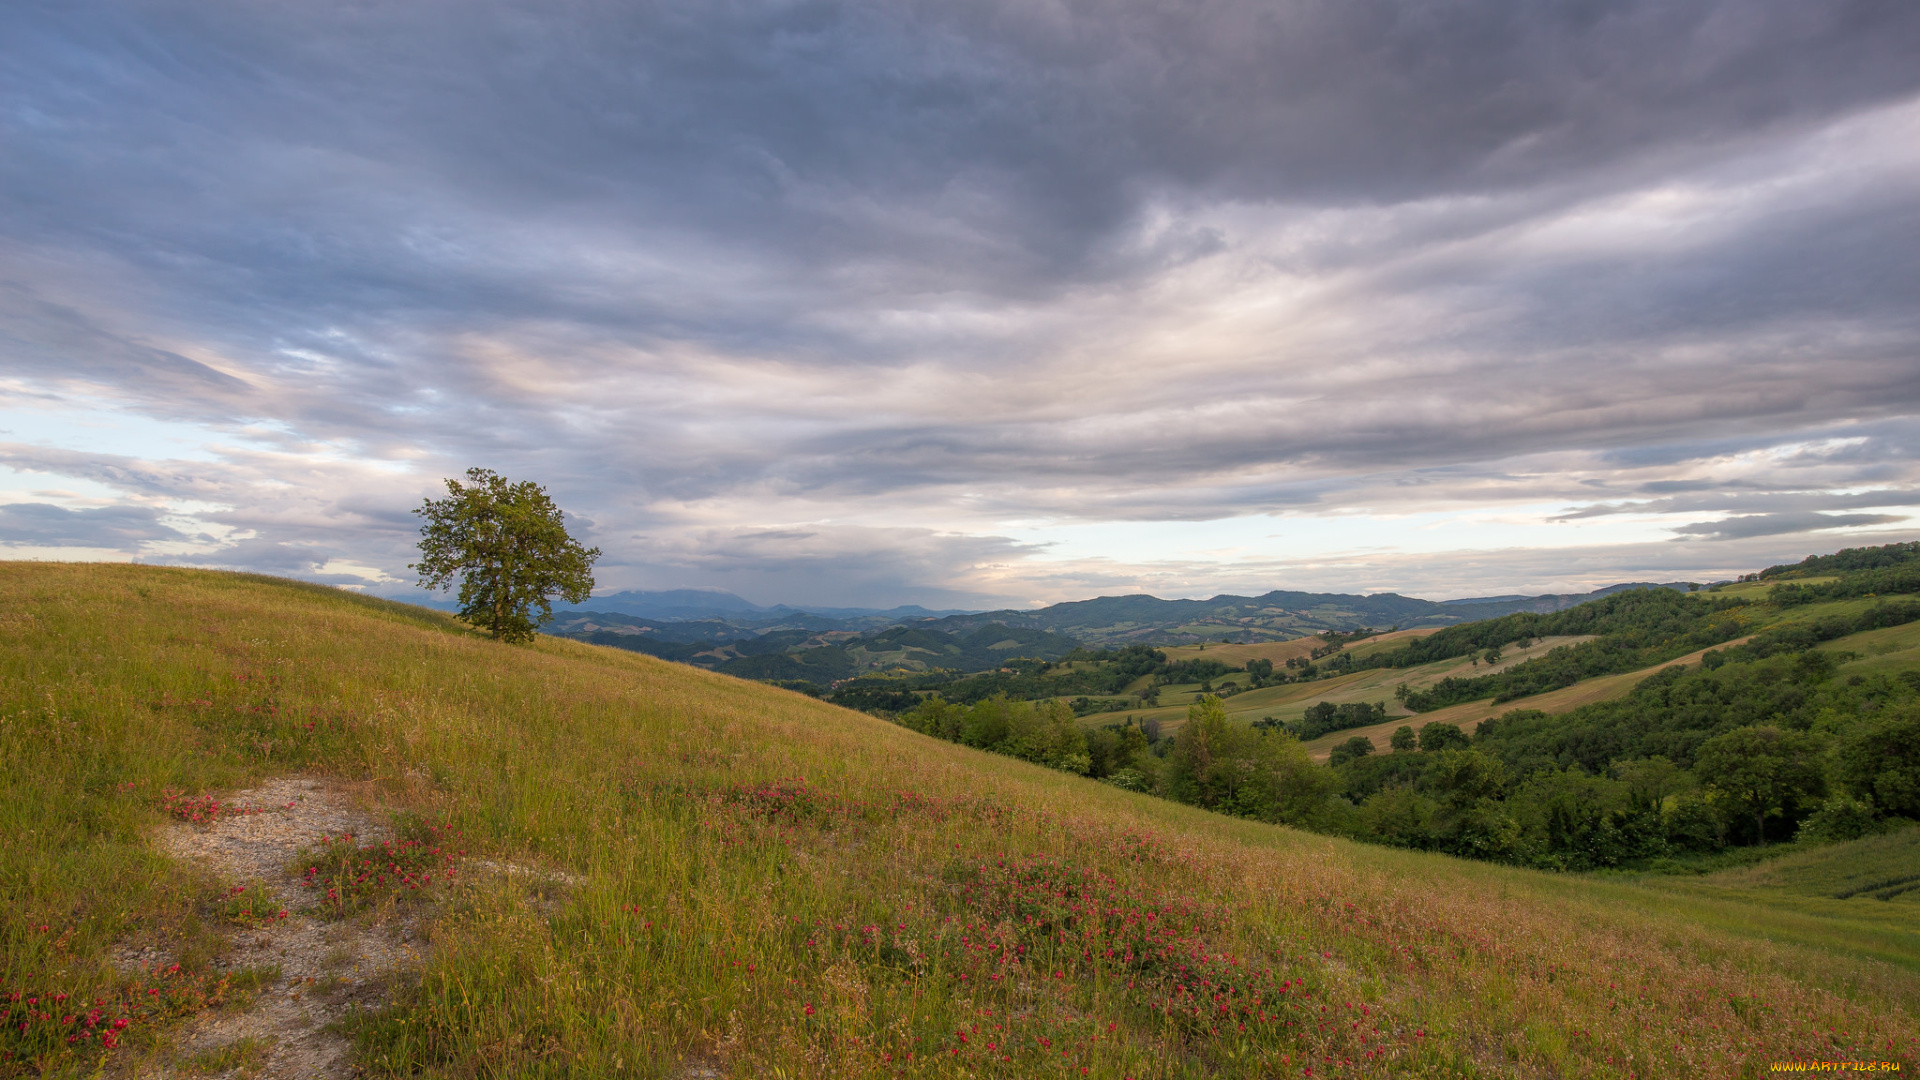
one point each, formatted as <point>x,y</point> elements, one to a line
<point>1857,870</point>
<point>1888,650</point>
<point>1759,590</point>
<point>776,886</point>
<point>1861,897</point>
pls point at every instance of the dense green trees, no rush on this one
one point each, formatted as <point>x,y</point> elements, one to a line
<point>1357,747</point>
<point>1847,560</point>
<point>1324,716</point>
<point>1760,743</point>
<point>1879,762</point>
<point>1043,732</point>
<point>1241,770</point>
<point>1211,762</point>
<point>1637,618</point>
<point>1762,773</point>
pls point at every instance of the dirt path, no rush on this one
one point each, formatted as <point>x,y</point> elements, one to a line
<point>326,968</point>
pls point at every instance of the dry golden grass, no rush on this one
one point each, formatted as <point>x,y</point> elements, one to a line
<point>1237,655</point>
<point>1281,651</point>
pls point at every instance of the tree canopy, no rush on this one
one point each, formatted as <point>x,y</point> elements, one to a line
<point>507,543</point>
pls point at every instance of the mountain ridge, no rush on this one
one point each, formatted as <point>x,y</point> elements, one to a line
<point>1274,616</point>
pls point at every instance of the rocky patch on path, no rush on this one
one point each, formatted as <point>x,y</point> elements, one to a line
<point>325,968</point>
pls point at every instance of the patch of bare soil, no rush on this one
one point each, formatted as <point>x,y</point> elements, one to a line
<point>325,968</point>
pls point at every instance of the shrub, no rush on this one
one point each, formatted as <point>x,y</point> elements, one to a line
<point>1437,736</point>
<point>1840,818</point>
<point>1353,749</point>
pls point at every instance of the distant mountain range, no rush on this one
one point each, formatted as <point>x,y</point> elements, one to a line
<point>717,603</point>
<point>1276,616</point>
<point>723,631</point>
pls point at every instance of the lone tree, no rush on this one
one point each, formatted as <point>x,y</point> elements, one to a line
<point>507,545</point>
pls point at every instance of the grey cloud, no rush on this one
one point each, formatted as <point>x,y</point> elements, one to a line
<point>1671,487</point>
<point>697,255</point>
<point>1751,503</point>
<point>882,566</point>
<point>119,528</point>
<point>1750,525</point>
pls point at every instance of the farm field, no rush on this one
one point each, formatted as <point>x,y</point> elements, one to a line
<point>1290,701</point>
<point>1758,590</point>
<point>1892,649</point>
<point>1469,715</point>
<point>1281,651</point>
<point>1895,648</point>
<point>1384,642</point>
<point>1236,655</point>
<point>666,872</point>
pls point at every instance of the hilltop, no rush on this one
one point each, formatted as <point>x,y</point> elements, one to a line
<point>654,870</point>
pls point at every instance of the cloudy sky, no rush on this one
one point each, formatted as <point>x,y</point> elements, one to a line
<point>967,302</point>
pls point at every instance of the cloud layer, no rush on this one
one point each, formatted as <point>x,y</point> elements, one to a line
<point>968,302</point>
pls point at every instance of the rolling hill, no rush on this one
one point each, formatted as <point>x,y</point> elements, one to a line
<point>725,633</point>
<point>654,870</point>
<point>1274,616</point>
<point>812,648</point>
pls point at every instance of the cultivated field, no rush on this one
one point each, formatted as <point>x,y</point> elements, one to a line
<point>1290,701</point>
<point>626,867</point>
<point>1469,715</point>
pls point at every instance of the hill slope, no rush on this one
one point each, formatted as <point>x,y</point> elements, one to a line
<point>751,880</point>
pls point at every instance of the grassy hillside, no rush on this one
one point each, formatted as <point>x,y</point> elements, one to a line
<point>762,884</point>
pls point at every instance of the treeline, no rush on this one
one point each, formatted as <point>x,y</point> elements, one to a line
<point>1631,651</point>
<point>1752,750</point>
<point>1807,634</point>
<point>1043,732</point>
<point>796,655</point>
<point>1881,582</point>
<point>1081,674</point>
<point>1646,614</point>
<point>1846,561</point>
<point>1639,628</point>
<point>1210,762</point>
<point>1324,716</point>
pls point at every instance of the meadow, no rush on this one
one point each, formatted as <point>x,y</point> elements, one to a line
<point>760,884</point>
